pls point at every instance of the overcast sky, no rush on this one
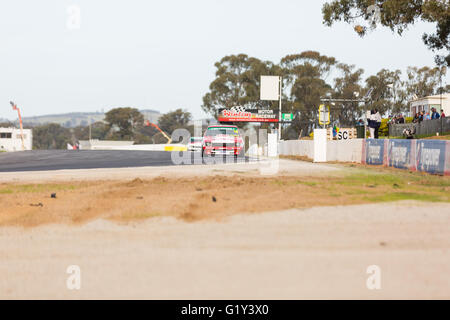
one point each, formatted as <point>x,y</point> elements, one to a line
<point>160,54</point>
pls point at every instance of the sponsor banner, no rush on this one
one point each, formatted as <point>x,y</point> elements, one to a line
<point>431,156</point>
<point>447,159</point>
<point>400,154</point>
<point>241,114</point>
<point>363,153</point>
<point>413,155</point>
<point>375,151</point>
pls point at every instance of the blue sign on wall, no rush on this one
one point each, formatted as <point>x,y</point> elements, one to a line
<point>374,151</point>
<point>431,156</point>
<point>399,153</point>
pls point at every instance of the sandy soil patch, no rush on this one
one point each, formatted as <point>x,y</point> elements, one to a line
<point>319,252</point>
<point>151,234</point>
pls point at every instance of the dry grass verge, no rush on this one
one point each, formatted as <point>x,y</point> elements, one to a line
<point>216,197</point>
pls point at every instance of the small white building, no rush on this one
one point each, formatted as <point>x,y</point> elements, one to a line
<point>426,103</point>
<point>10,139</point>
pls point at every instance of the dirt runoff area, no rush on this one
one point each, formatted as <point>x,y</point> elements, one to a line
<point>310,231</point>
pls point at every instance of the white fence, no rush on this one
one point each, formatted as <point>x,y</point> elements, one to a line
<point>342,151</point>
<point>304,148</point>
<point>128,145</point>
<point>345,150</point>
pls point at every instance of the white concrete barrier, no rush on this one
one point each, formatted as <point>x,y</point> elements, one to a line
<point>138,147</point>
<point>320,145</point>
<point>341,151</point>
<point>95,144</point>
<point>253,150</point>
<point>304,148</point>
<point>272,145</point>
<point>345,150</point>
<point>128,145</point>
<point>145,147</point>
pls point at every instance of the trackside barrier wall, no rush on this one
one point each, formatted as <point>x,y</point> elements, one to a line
<point>141,147</point>
<point>432,156</point>
<point>345,150</point>
<point>304,148</point>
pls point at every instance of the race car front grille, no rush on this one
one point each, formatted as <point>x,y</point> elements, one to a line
<point>224,145</point>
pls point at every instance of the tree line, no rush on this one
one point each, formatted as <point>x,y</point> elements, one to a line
<point>309,76</point>
<point>306,76</point>
<point>120,124</point>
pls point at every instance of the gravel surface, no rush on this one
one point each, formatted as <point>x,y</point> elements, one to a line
<point>320,252</point>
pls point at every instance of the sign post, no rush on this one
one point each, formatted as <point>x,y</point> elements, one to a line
<point>279,117</point>
<point>324,115</point>
<point>270,90</point>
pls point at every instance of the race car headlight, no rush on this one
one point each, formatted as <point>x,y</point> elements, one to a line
<point>208,144</point>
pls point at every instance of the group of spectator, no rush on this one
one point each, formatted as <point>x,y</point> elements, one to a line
<point>420,116</point>
<point>397,119</point>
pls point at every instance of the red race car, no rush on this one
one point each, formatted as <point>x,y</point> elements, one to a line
<point>222,140</point>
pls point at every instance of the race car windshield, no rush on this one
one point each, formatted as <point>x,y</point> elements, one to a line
<point>221,131</point>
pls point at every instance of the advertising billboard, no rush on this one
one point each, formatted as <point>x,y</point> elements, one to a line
<point>431,156</point>
<point>241,114</point>
<point>375,152</point>
<point>399,154</point>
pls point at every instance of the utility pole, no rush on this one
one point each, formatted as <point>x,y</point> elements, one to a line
<point>441,72</point>
<point>14,106</point>
<point>279,112</point>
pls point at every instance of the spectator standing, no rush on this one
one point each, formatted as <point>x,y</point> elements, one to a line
<point>435,114</point>
<point>421,116</point>
<point>392,119</point>
<point>377,119</point>
<point>442,113</point>
<point>371,123</point>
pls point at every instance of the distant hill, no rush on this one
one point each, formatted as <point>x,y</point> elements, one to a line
<point>74,119</point>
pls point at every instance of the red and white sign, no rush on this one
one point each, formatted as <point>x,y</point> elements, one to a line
<point>241,114</point>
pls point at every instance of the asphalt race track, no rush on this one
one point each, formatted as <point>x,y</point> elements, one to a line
<point>42,160</point>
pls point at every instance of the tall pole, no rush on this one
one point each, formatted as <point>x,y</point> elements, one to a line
<point>21,130</point>
<point>440,85</point>
<point>440,103</point>
<point>365,120</point>
<point>14,106</point>
<point>279,111</point>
